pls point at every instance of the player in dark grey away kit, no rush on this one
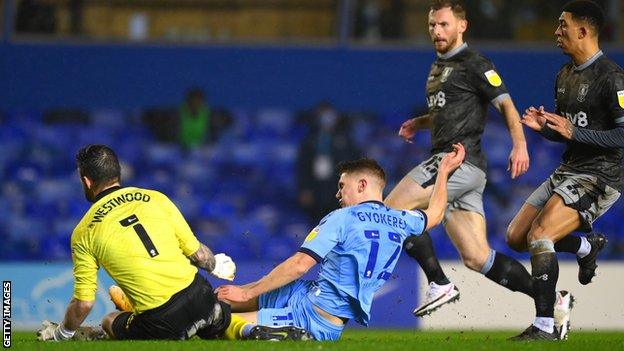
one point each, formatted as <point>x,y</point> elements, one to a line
<point>460,86</point>
<point>589,118</point>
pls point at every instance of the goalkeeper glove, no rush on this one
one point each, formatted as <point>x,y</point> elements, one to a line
<point>53,332</point>
<point>224,268</point>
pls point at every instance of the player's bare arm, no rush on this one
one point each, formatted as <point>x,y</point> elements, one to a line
<point>286,272</point>
<point>76,312</point>
<point>519,156</point>
<point>438,201</point>
<point>409,127</point>
<point>203,258</point>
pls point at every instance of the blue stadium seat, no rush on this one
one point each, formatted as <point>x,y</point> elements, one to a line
<point>279,247</point>
<point>239,194</point>
<point>272,123</point>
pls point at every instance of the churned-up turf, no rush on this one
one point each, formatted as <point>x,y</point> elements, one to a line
<point>352,340</point>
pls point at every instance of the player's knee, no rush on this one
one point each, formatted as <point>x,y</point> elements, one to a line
<point>515,240</point>
<point>537,232</point>
<point>107,324</point>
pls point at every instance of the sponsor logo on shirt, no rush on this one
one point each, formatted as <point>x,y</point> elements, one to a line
<point>621,98</point>
<point>493,78</point>
<point>312,234</point>
<point>579,119</point>
<point>438,99</point>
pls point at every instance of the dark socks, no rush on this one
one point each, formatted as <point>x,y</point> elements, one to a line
<point>510,273</point>
<point>545,275</point>
<point>569,244</point>
<point>421,249</point>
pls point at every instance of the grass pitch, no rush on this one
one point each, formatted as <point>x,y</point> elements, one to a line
<point>352,340</point>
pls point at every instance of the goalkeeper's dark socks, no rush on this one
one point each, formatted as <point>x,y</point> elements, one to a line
<point>421,249</point>
<point>506,271</point>
<point>545,275</point>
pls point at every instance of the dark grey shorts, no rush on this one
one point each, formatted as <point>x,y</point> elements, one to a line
<point>582,192</point>
<point>465,186</point>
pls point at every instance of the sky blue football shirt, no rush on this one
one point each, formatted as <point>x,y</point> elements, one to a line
<point>358,247</point>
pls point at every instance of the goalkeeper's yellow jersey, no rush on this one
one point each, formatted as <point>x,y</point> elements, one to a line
<point>141,239</point>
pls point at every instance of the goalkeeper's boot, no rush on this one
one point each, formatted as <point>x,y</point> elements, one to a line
<point>119,298</point>
<point>534,333</point>
<point>564,303</point>
<point>261,332</point>
<point>435,297</point>
<point>587,264</point>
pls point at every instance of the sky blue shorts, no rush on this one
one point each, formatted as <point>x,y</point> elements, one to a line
<point>289,305</point>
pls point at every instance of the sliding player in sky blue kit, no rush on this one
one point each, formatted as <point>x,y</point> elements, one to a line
<point>357,247</point>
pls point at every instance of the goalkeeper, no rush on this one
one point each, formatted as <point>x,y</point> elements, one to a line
<point>144,243</point>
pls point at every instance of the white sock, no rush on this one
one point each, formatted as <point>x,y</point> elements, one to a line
<point>546,324</point>
<point>437,286</point>
<point>584,249</point>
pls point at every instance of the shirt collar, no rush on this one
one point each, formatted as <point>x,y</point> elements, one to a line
<point>372,202</point>
<point>453,52</point>
<point>99,196</point>
<point>589,62</point>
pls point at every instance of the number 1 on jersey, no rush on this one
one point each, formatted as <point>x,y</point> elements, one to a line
<point>133,221</point>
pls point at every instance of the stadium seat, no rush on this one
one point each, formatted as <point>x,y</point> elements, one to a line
<point>239,194</point>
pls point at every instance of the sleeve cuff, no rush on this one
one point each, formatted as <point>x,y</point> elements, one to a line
<point>575,133</point>
<point>191,248</point>
<point>425,218</point>
<point>500,98</point>
<point>312,254</point>
<point>84,296</point>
